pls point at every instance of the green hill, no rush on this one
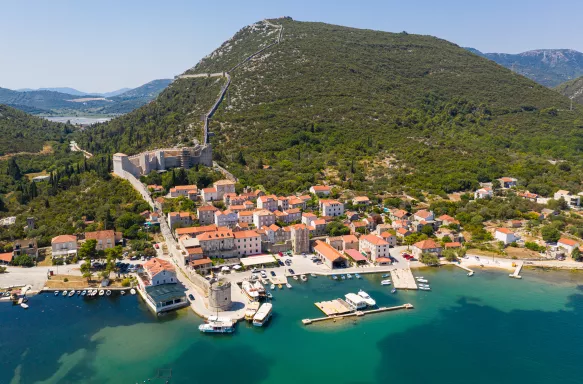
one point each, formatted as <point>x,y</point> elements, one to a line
<point>572,89</point>
<point>366,109</point>
<point>20,132</point>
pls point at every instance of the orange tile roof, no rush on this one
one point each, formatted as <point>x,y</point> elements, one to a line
<point>208,208</point>
<point>204,261</point>
<point>504,230</point>
<point>321,188</point>
<point>454,244</point>
<point>245,234</point>
<point>99,235</point>
<point>196,230</point>
<point>426,244</point>
<point>63,239</point>
<point>186,187</point>
<point>293,210</point>
<point>327,251</point>
<point>349,239</point>
<point>157,265</point>
<point>423,213</point>
<point>194,250</point>
<point>569,242</point>
<point>219,234</point>
<point>374,240</point>
<point>6,257</point>
<point>319,222</point>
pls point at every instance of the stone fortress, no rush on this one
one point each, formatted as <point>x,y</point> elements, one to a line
<point>162,159</point>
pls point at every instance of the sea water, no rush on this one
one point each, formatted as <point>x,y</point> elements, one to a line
<point>482,329</point>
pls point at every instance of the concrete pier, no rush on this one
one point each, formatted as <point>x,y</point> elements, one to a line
<point>403,279</point>
<point>470,272</point>
<point>357,313</point>
<point>516,274</point>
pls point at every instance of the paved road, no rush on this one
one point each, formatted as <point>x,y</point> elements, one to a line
<point>75,148</point>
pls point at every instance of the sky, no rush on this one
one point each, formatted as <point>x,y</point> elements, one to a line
<point>101,46</point>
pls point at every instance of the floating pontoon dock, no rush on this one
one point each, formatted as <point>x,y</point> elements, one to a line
<point>334,307</point>
<point>403,279</point>
<point>355,313</point>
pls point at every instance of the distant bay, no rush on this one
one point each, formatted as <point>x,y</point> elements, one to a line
<point>484,329</point>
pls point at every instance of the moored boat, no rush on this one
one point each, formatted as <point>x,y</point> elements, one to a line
<point>422,281</point>
<point>101,292</point>
<point>386,275</point>
<point>77,293</point>
<point>65,293</point>
<point>334,277</point>
<point>425,288</point>
<point>217,326</point>
<point>295,277</point>
<point>122,292</point>
<point>272,287</point>
<point>279,286</point>
<point>250,290</point>
<point>71,293</point>
<point>83,293</point>
<point>348,276</point>
<point>342,277</point>
<point>251,310</point>
<point>355,301</point>
<point>56,293</point>
<point>386,282</point>
<point>288,285</point>
<point>262,315</point>
<point>133,291</point>
<point>394,290</point>
<point>108,292</point>
<point>304,278</point>
<point>357,275</point>
<point>23,305</point>
<point>313,275</point>
<point>367,299</point>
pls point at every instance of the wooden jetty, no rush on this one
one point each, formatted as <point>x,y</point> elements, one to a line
<point>403,279</point>
<point>357,313</point>
<point>516,273</point>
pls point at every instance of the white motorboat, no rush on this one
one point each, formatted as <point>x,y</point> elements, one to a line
<point>386,282</point>
<point>77,293</point>
<point>470,273</point>
<point>295,277</point>
<point>422,281</point>
<point>122,292</point>
<point>419,277</point>
<point>250,290</point>
<point>357,275</point>
<point>71,293</point>
<point>368,300</point>
<point>313,275</point>
<point>94,293</point>
<point>288,285</point>
<point>348,276</point>
<point>219,325</point>
<point>342,277</point>
<point>133,291</point>
<point>108,292</point>
<point>272,287</point>
<point>83,293</point>
<point>334,277</point>
<point>304,278</point>
<point>23,305</point>
<point>269,295</point>
<point>56,293</point>
<point>394,290</point>
<point>355,301</point>
<point>65,293</point>
<point>101,292</point>
<point>262,315</point>
<point>425,288</point>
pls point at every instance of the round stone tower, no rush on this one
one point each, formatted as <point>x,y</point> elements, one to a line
<point>220,296</point>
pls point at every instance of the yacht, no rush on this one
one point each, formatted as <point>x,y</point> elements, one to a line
<point>303,278</point>
<point>263,315</point>
<point>217,325</point>
<point>386,282</point>
<point>355,301</point>
<point>367,299</point>
<point>250,290</point>
<point>251,310</point>
<point>348,276</point>
<point>357,275</point>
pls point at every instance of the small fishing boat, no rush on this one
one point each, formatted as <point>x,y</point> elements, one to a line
<point>133,291</point>
<point>72,293</point>
<point>77,293</point>
<point>295,277</point>
<point>303,278</point>
<point>108,292</point>
<point>313,275</point>
<point>334,277</point>
<point>342,277</point>
<point>65,293</point>
<point>386,275</point>
<point>101,292</point>
<point>386,282</point>
<point>288,285</point>
<point>23,305</point>
<point>470,273</point>
<point>272,287</point>
<point>425,288</point>
<point>56,293</point>
<point>122,292</point>
<point>348,276</point>
<point>83,293</point>
<point>419,277</point>
<point>357,275</point>
<point>269,295</point>
<point>280,286</point>
<point>422,281</point>
<point>394,290</point>
<point>94,293</point>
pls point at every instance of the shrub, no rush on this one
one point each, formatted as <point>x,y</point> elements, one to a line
<point>125,282</point>
<point>65,279</point>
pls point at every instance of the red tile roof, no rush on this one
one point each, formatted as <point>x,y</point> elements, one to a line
<point>569,242</point>
<point>157,265</point>
<point>327,251</point>
<point>63,239</point>
<point>6,257</point>
<point>426,244</point>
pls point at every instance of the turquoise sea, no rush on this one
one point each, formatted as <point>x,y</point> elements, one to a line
<point>484,329</point>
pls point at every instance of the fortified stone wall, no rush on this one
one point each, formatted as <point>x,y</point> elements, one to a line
<point>220,296</point>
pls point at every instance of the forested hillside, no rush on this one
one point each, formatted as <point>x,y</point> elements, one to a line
<point>365,109</point>
<point>572,89</point>
<point>20,132</point>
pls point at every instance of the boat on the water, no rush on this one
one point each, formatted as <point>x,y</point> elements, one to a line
<point>279,286</point>
<point>65,293</point>
<point>101,292</point>
<point>394,290</point>
<point>348,276</point>
<point>108,292</point>
<point>295,277</point>
<point>355,301</point>
<point>77,293</point>
<point>334,277</point>
<point>272,287</point>
<point>94,293</point>
<point>263,315</point>
<point>83,293</point>
<point>23,305</point>
<point>425,288</point>
<point>313,275</point>
<point>122,292</point>
<point>269,295</point>
<point>386,275</point>
<point>288,285</point>
<point>56,293</point>
<point>218,325</point>
<point>342,277</point>
<point>419,277</point>
<point>133,291</point>
<point>367,299</point>
<point>252,308</point>
<point>386,282</point>
<point>471,273</point>
<point>71,293</point>
<point>422,281</point>
<point>357,275</point>
<point>304,278</point>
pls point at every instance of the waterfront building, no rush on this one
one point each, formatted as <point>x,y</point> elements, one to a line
<point>64,245</point>
<point>426,246</point>
<point>374,246</point>
<point>105,239</point>
<point>159,286</point>
<point>247,243</point>
<point>330,256</point>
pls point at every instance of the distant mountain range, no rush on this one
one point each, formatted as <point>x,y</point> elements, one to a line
<point>549,67</point>
<point>69,101</point>
<point>75,92</point>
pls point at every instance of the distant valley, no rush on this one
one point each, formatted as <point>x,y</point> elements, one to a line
<point>71,102</point>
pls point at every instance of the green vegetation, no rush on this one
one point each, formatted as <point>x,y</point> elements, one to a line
<point>367,110</point>
<point>572,89</point>
<point>430,259</point>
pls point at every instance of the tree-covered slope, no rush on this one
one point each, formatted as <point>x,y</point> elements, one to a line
<point>365,109</point>
<point>572,89</point>
<point>20,132</point>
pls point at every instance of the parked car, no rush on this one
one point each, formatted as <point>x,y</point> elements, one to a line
<point>191,297</point>
<point>280,263</point>
<point>156,246</point>
<point>291,271</point>
<point>272,273</point>
<point>263,274</point>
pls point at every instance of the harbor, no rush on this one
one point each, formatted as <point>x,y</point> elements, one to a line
<point>403,279</point>
<point>356,313</point>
